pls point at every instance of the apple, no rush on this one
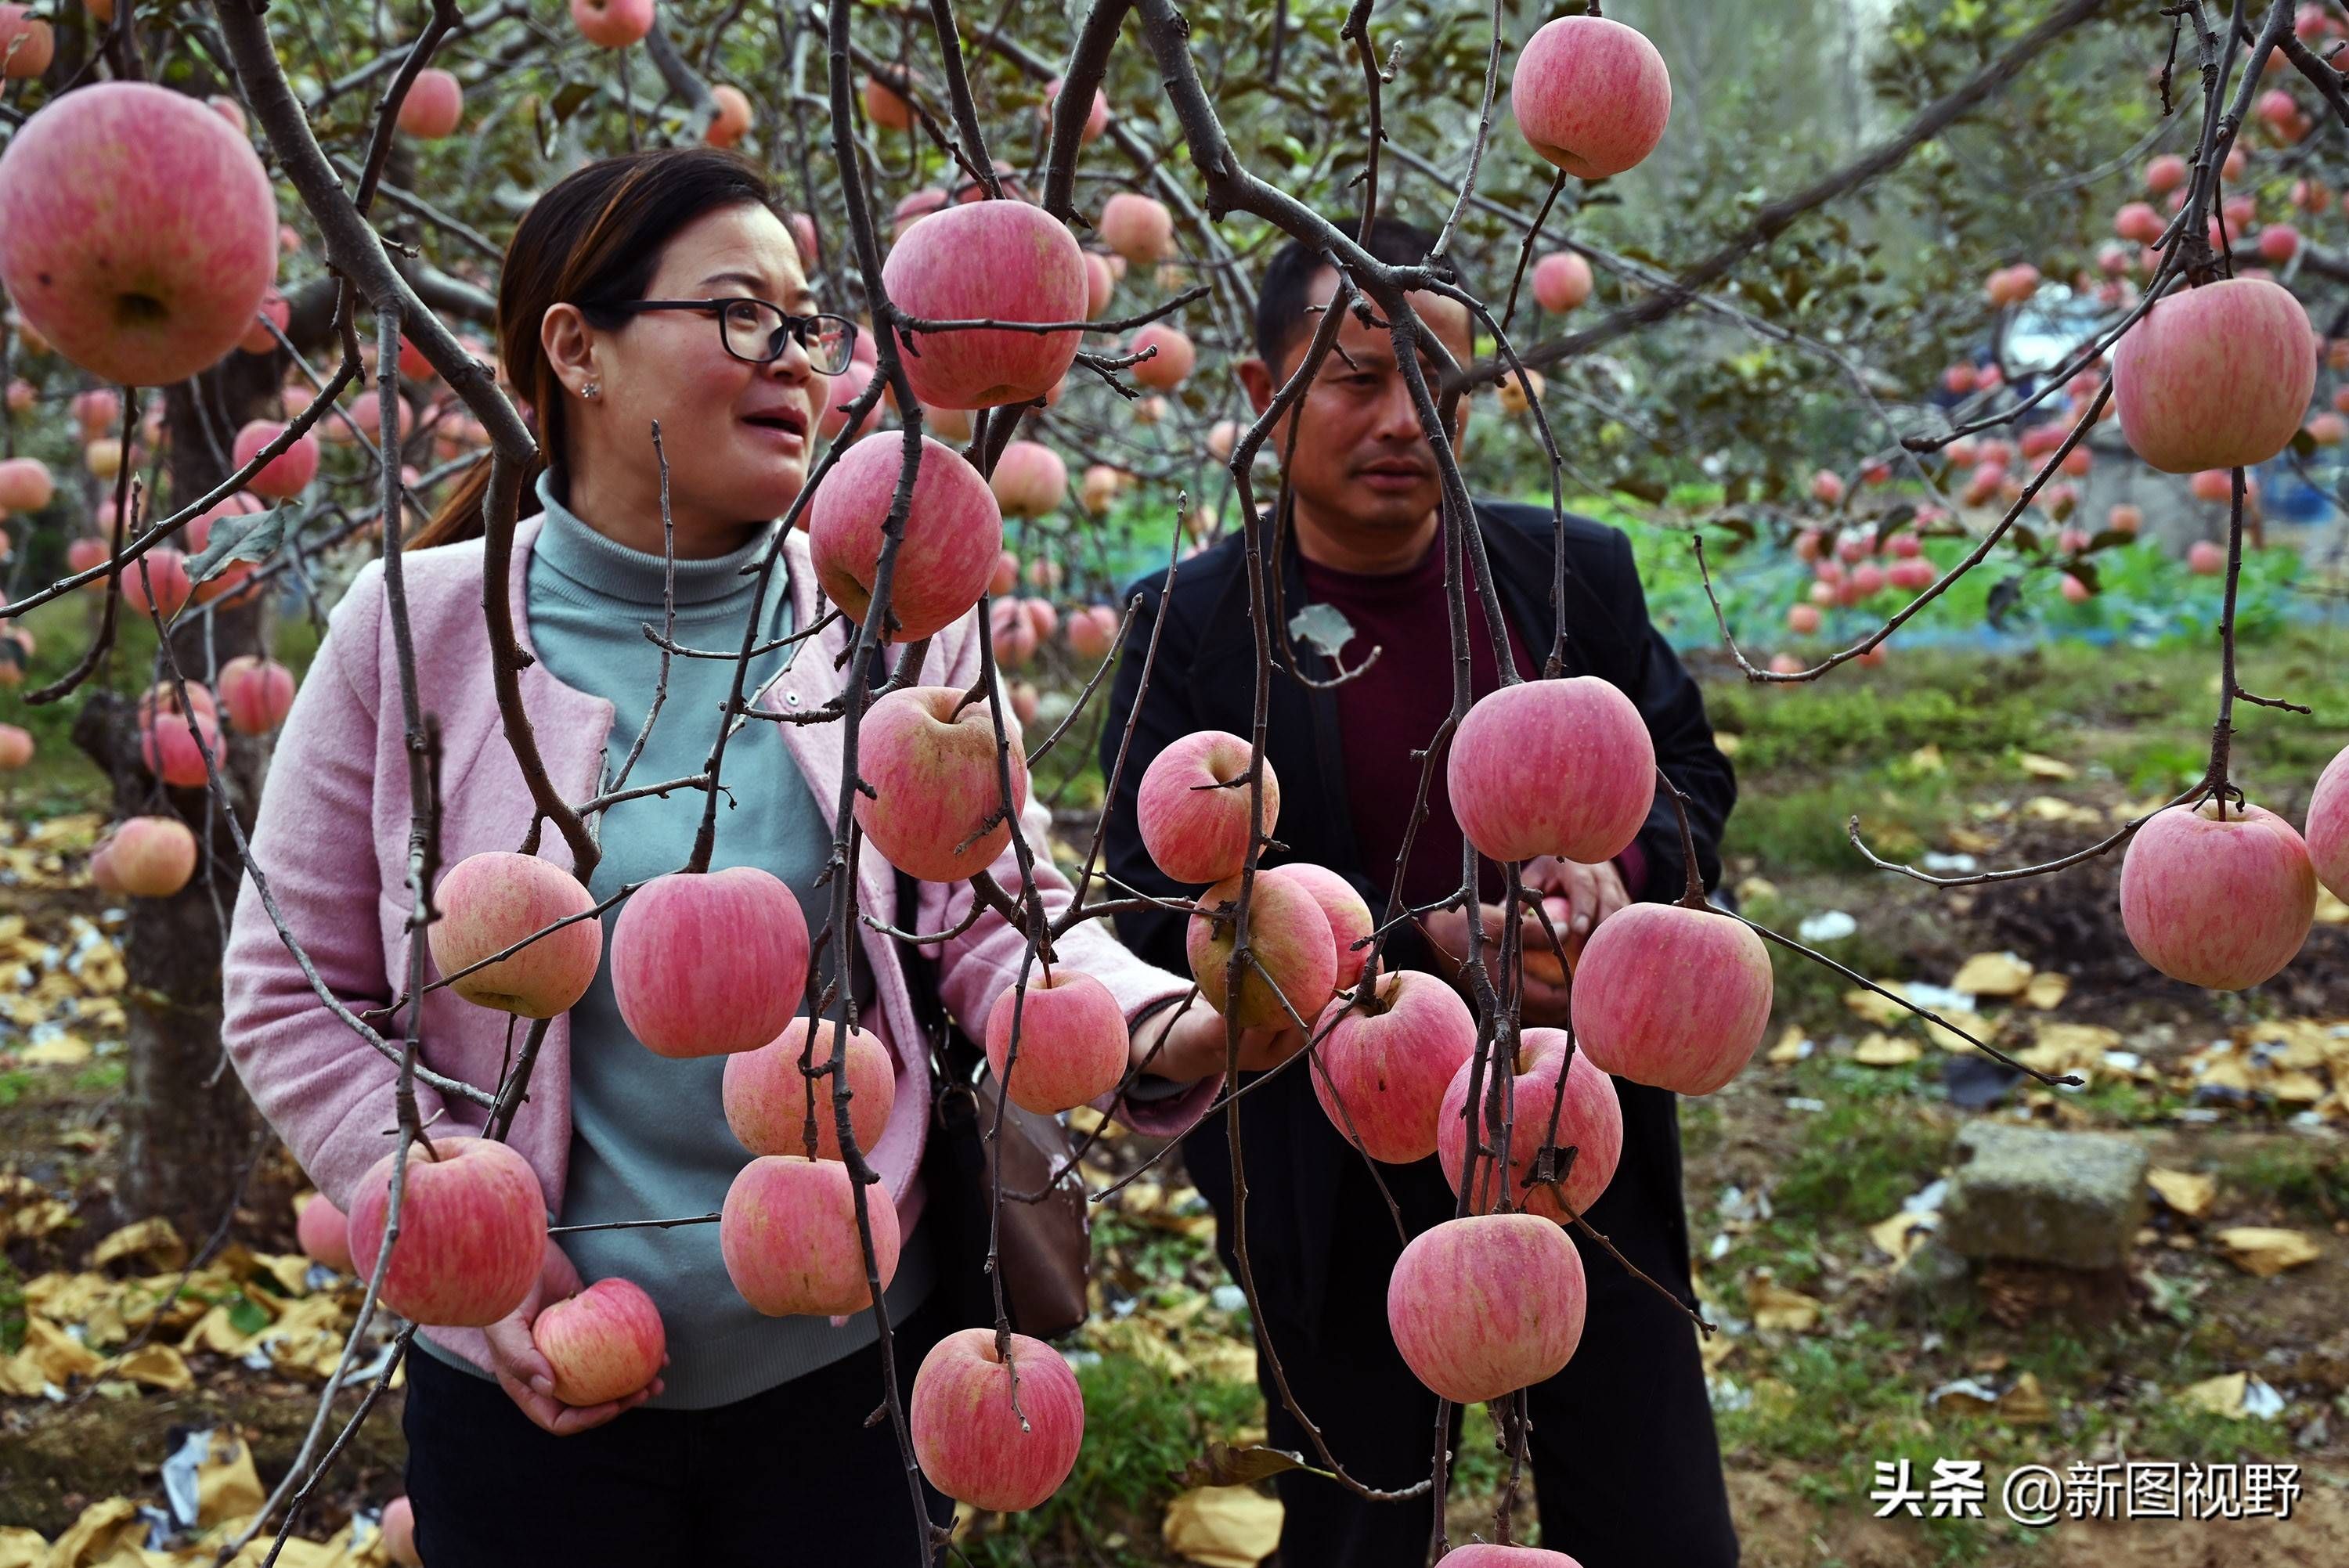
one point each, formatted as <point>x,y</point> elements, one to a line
<point>708,962</point>
<point>2223,904</point>
<point>1552,768</point>
<point>2328,825</point>
<point>765,1091</point>
<point>884,108</point>
<point>26,484</point>
<point>1803,620</point>
<point>2125,518</point>
<point>1289,937</point>
<point>490,901</point>
<point>2327,429</point>
<point>1590,1121</point>
<point>1827,488</point>
<point>1092,633</point>
<point>399,1527</point>
<point>257,692</point>
<point>1001,262</point>
<point>1137,227</point>
<point>139,269</point>
<point>833,405</point>
<point>26,43</point>
<point>1389,1068</point>
<point>1671,995</point>
<point>472,1232</point>
<point>1030,479</point>
<point>1195,826</point>
<point>1025,700</point>
<point>1520,390</point>
<point>1484,1306</point>
<point>1482,1554</point>
<point>611,23</point>
<point>1100,283</point>
<point>321,1231</point>
<point>1561,281</point>
<point>2205,559</point>
<point>913,208</point>
<point>103,458</point>
<point>161,587</point>
<point>1042,619</point>
<point>1912,574</point>
<point>15,747</point>
<point>434,107</point>
<point>2215,377</point>
<point>1343,908</point>
<point>1591,94</point>
<point>787,1234</point>
<point>979,1443</point>
<point>604,1344</point>
<point>1172,356</point>
<point>1013,633</point>
<point>1096,116</point>
<point>2279,243</point>
<point>935,811</point>
<point>952,534</point>
<point>153,857</point>
<point>1073,1040</point>
<point>1959,380</point>
<point>1006,575</point>
<point>947,424</point>
<point>733,119</point>
<point>284,476</point>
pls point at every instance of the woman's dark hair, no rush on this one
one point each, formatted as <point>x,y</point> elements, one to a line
<point>594,239</point>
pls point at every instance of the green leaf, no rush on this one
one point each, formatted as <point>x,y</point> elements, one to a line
<point>1323,627</point>
<point>253,537</point>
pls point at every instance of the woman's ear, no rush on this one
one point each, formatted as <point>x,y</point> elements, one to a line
<point>569,346</point>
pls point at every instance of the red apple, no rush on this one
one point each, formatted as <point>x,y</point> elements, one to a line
<point>15,747</point>
<point>1591,94</point>
<point>274,310</point>
<point>472,1232</point>
<point>936,812</point>
<point>398,1529</point>
<point>1030,479</point>
<point>2223,904</point>
<point>884,108</point>
<point>321,1231</point>
<point>1290,936</point>
<point>2215,377</point>
<point>1674,996</point>
<point>947,424</point>
<point>1481,1555</point>
<point>1390,1070</point>
<point>2328,826</point>
<point>153,857</point>
<point>257,693</point>
<point>845,389</point>
<point>952,534</point>
<point>2205,559</point>
<point>434,107</point>
<point>1099,284</point>
<point>1561,281</point>
<point>765,1091</point>
<point>1073,1040</point>
<point>137,231</point>
<point>1092,633</point>
<point>26,43</point>
<point>1484,1306</point>
<point>1552,768</point>
<point>284,476</point>
<point>490,901</point>
<point>611,23</point>
<point>787,1234</point>
<point>1193,825</point>
<point>1343,908</point>
<point>1096,116</point>
<point>604,1344</point>
<point>26,484</point>
<point>708,962</point>
<point>971,1441</point>
<point>1004,261</point>
<point>1170,365</point>
<point>1138,228</point>
<point>1589,1119</point>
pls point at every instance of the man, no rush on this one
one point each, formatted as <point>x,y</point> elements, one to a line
<point>1625,1461</point>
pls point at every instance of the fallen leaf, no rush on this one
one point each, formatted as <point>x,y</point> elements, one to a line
<point>1946,1036</point>
<point>1993,974</point>
<point>2047,768</point>
<point>1876,1008</point>
<point>226,1483</point>
<point>1790,1045</point>
<point>23,1548</point>
<point>1773,1307</point>
<point>1882,1050</point>
<point>2267,1250</point>
<point>1223,1527</point>
<point>108,1534</point>
<point>1965,840</point>
<point>2221,1396</point>
<point>154,1241</point>
<point>2024,1404</point>
<point>2047,989</point>
<point>2190,1193</point>
<point>157,1366</point>
<point>56,1051</point>
<point>1926,759</point>
<point>2329,910</point>
<point>1901,1234</point>
<point>2054,808</point>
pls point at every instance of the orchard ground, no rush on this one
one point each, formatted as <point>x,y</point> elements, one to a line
<point>2007,752</point>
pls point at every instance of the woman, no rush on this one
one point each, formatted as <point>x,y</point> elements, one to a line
<point>755,1440</point>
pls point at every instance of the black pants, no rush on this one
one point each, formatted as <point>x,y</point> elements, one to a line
<point>789,1476</point>
<point>1626,1467</point>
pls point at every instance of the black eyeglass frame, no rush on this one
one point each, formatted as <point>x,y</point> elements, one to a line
<point>796,327</point>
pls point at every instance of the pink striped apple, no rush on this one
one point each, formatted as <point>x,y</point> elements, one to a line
<point>1171,356</point>
<point>167,744</point>
<point>1194,821</point>
<point>434,107</point>
<point>999,261</point>
<point>1482,1554</point>
<point>2223,904</point>
<point>1389,1068</point>
<point>1295,969</point>
<point>952,534</point>
<point>490,901</point>
<point>604,1343</point>
<point>153,857</point>
<point>27,43</point>
<point>787,1234</point>
<point>1589,1121</point>
<point>733,119</point>
<point>137,231</point>
<point>708,962</point>
<point>257,693</point>
<point>472,1232</point>
<point>1552,768</point>
<point>1073,1040</point>
<point>1591,94</point>
<point>972,1442</point>
<point>1343,907</point>
<point>1092,633</point>
<point>2215,377</point>
<point>15,747</point>
<point>1030,479</point>
<point>284,476</point>
<point>1096,116</point>
<point>935,811</point>
<point>1671,995</point>
<point>26,484</point>
<point>611,23</point>
<point>321,1231</point>
<point>765,1091</point>
<point>1561,281</point>
<point>1484,1306</point>
<point>2328,825</point>
<point>1137,227</point>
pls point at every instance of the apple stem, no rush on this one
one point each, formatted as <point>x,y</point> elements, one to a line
<point>1692,894</point>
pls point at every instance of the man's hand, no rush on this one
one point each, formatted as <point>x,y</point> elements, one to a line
<point>525,1373</point>
<point>1576,897</point>
<point>1195,1043</point>
<point>1544,994</point>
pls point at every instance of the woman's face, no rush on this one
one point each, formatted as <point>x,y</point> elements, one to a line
<point>736,435</point>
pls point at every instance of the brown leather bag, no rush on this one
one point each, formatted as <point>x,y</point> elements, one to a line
<point>1045,1248</point>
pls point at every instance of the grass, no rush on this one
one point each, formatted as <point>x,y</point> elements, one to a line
<point>2292,1175</point>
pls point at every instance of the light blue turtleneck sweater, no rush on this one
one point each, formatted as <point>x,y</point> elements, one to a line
<point>648,1134</point>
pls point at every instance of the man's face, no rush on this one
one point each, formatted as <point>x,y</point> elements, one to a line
<point>1361,460</point>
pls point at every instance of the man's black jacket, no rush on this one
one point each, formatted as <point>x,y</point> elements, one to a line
<point>1204,677</point>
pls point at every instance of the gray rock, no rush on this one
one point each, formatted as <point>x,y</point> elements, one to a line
<point>1931,1272</point>
<point>2070,1198</point>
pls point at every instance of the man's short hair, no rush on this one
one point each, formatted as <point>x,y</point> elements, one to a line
<point>1282,302</point>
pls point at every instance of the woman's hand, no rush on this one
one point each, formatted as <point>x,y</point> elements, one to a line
<point>525,1375</point>
<point>1195,1043</point>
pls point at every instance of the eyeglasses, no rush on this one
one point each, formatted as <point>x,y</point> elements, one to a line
<point>753,330</point>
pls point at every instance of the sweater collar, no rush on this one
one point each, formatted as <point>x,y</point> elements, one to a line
<point>602,566</point>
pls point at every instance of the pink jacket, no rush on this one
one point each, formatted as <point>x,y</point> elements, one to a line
<point>331,834</point>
